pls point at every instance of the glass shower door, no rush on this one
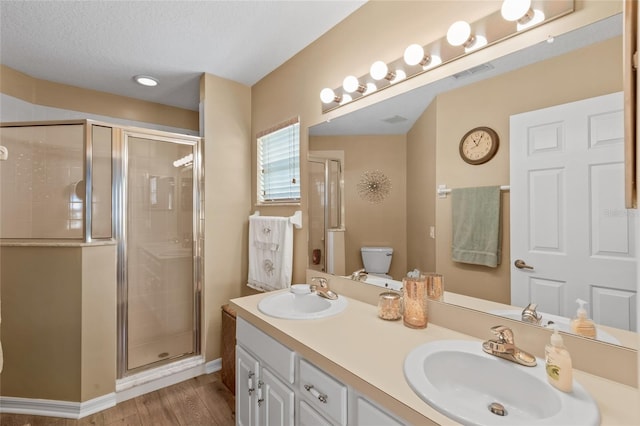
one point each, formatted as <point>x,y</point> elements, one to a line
<point>160,293</point>
<point>325,209</point>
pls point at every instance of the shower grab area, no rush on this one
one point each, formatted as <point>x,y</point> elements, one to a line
<point>144,186</point>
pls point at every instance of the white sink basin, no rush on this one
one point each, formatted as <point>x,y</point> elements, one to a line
<point>458,379</point>
<point>563,323</point>
<point>300,305</point>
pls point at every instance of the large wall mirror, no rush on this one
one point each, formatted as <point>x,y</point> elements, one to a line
<point>413,141</point>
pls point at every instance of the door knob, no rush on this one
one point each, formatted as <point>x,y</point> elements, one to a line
<point>521,264</point>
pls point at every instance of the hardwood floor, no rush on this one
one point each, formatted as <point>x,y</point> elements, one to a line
<point>201,401</point>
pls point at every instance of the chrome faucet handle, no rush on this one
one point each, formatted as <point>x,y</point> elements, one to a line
<point>504,334</point>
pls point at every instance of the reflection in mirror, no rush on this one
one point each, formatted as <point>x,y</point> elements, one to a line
<point>413,138</point>
<point>326,237</point>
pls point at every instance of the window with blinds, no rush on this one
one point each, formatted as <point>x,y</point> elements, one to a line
<point>279,164</point>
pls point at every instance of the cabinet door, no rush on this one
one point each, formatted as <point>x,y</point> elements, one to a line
<point>310,417</point>
<point>246,388</point>
<point>368,414</point>
<point>276,399</point>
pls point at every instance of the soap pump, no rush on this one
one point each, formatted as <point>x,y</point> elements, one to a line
<point>558,363</point>
<point>581,324</point>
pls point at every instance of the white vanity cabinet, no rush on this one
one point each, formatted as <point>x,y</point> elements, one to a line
<point>275,386</point>
<point>264,373</point>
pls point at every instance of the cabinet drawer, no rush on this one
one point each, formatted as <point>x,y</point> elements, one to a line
<point>323,392</point>
<point>280,358</point>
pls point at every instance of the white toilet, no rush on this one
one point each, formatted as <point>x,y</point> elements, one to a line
<point>377,260</point>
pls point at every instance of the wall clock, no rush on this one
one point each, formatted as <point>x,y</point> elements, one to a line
<point>479,145</point>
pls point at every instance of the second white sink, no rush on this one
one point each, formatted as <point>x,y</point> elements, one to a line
<point>461,381</point>
<point>563,323</point>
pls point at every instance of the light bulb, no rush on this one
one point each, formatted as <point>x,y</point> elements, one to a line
<point>434,62</point>
<point>379,70</point>
<point>350,84</point>
<point>538,16</point>
<point>414,54</point>
<point>458,33</point>
<point>512,10</point>
<point>327,95</point>
<point>399,76</point>
<point>370,88</point>
<point>345,98</point>
<point>478,42</point>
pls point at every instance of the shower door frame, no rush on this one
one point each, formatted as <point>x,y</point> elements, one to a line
<point>325,161</point>
<point>120,205</point>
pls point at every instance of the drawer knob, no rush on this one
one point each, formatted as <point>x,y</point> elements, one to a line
<point>313,391</point>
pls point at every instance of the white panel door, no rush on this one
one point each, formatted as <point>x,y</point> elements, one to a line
<point>568,221</point>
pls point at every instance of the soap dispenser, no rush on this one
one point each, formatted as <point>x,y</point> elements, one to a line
<point>558,363</point>
<point>581,324</point>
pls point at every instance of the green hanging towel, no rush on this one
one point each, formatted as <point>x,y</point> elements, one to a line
<point>476,226</point>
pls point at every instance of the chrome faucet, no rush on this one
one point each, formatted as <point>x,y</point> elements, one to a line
<point>359,275</point>
<point>505,347</point>
<point>322,288</point>
<point>530,315</point>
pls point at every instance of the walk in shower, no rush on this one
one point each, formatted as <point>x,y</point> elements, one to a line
<point>144,186</point>
<point>326,215</point>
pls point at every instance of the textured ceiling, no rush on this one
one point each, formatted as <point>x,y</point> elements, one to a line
<point>101,45</point>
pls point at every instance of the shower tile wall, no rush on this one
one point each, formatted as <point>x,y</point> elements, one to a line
<point>38,198</point>
<point>42,186</point>
<point>160,273</point>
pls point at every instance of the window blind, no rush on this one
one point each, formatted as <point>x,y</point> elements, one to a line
<point>279,163</point>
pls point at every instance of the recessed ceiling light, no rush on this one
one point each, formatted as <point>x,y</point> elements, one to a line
<point>145,80</point>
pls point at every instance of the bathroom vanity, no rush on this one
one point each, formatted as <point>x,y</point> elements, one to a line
<point>348,369</point>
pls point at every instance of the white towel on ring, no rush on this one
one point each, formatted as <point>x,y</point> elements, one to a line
<point>270,252</point>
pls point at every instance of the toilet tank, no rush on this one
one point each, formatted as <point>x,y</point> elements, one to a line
<point>376,260</point>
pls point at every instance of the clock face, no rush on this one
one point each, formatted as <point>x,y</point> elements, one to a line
<point>479,145</point>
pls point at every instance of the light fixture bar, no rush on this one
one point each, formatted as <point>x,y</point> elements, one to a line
<point>484,32</point>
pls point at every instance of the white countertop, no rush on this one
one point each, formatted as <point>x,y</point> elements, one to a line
<point>368,353</point>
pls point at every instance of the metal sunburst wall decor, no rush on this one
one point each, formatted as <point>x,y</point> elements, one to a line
<point>374,186</point>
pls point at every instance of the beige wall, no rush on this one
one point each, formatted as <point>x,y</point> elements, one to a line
<point>98,322</point>
<point>227,165</point>
<point>59,326</point>
<point>585,73</point>
<point>47,93</point>
<point>421,199</point>
<point>372,224</point>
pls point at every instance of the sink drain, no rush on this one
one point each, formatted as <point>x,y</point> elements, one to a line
<point>497,409</point>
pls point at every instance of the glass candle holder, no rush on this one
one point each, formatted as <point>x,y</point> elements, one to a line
<point>389,306</point>
<point>414,292</point>
<point>435,286</point>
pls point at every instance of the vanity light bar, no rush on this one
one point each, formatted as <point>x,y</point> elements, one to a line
<point>487,31</point>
